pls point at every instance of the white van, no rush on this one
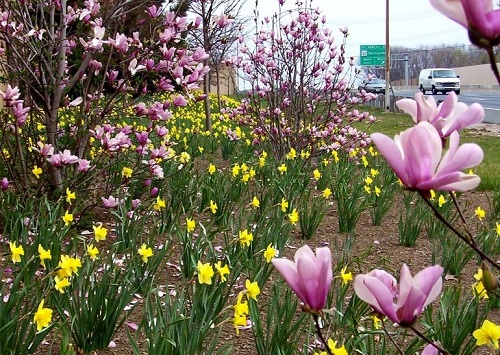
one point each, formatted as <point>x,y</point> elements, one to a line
<point>438,80</point>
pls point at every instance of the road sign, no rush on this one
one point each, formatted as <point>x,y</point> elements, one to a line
<point>372,54</point>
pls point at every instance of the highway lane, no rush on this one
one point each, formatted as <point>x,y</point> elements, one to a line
<point>490,100</point>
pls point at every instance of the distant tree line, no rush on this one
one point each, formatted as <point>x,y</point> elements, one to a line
<point>443,56</point>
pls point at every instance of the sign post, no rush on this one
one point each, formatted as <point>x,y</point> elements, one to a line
<point>372,55</point>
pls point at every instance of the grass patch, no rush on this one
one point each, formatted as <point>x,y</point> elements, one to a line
<point>489,170</point>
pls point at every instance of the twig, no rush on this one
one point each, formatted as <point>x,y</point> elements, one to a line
<point>493,63</point>
<point>318,330</point>
<point>423,336</point>
<point>467,239</point>
<point>391,338</point>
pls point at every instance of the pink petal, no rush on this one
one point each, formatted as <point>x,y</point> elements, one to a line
<point>408,106</point>
<point>448,106</point>
<point>452,9</point>
<point>430,282</point>
<point>376,294</point>
<point>472,115</point>
<point>288,270</point>
<point>324,265</point>
<point>392,153</point>
<point>405,284</point>
<point>308,278</point>
<point>412,308</point>
<point>383,296</point>
<point>458,158</point>
<point>426,108</point>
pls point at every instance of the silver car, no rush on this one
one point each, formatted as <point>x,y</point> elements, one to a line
<point>376,86</point>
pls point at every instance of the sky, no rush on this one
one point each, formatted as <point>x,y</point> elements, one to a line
<point>413,23</point>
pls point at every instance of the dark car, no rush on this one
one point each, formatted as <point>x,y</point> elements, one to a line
<point>376,86</point>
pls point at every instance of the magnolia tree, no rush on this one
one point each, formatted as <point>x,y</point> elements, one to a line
<point>300,94</point>
<point>62,58</point>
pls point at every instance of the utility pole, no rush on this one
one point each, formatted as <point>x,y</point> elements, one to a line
<point>387,58</point>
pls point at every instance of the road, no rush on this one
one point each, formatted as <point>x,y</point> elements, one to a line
<point>490,100</point>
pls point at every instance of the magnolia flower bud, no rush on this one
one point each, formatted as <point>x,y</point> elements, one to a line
<point>490,280</point>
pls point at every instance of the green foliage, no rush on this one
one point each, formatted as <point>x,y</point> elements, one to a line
<point>411,219</point>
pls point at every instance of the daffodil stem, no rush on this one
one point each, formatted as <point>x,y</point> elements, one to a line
<point>470,242</point>
<point>493,63</point>
<point>423,336</point>
<point>391,338</point>
<point>318,330</point>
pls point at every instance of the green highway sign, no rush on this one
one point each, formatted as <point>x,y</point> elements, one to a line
<point>372,54</point>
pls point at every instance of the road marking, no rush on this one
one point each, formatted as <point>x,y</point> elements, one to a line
<point>491,108</point>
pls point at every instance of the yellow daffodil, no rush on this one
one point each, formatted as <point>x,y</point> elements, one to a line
<point>368,180</point>
<point>235,170</point>
<point>100,232</point>
<point>364,160</point>
<point>211,169</point>
<point>336,351</point>
<point>498,228</point>
<point>205,273</point>
<point>67,218</point>
<point>37,171</point>
<point>70,196</point>
<point>316,174</point>
<point>252,289</point>
<point>282,169</point>
<point>145,252</point>
<point>190,225</point>
<point>42,317</point>
<point>293,217</point>
<point>16,252</point>
<point>374,172</point>
<point>292,154</point>
<point>43,254</point>
<point>488,334</point>
<point>92,251</point>
<point>68,266</point>
<point>284,205</point>
<point>270,253</point>
<point>245,238</point>
<point>61,284</point>
<point>327,193</point>
<point>255,202</point>
<point>346,276</point>
<point>127,172</point>
<point>222,270</point>
<point>441,200</point>
<point>159,204</point>
<point>335,156</point>
<point>377,191</point>
<point>213,207</point>
<point>480,213</point>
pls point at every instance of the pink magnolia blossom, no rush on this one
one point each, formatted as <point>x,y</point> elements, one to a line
<point>448,117</point>
<point>64,158</point>
<point>4,184</point>
<point>111,202</point>
<point>430,350</point>
<point>309,276</point>
<point>83,165</point>
<point>416,157</point>
<point>401,303</point>
<point>478,16</point>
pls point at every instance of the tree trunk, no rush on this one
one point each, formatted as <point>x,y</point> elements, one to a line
<point>206,91</point>
<point>217,78</point>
